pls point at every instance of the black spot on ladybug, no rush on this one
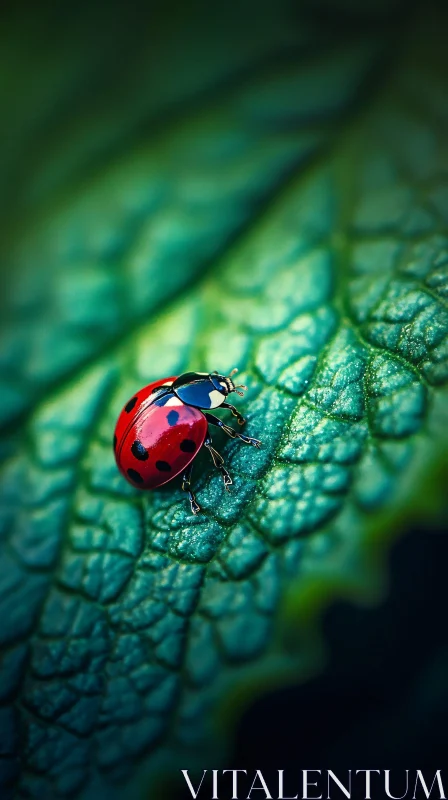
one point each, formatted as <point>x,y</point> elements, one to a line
<point>163,466</point>
<point>172,417</point>
<point>139,451</point>
<point>130,405</point>
<point>187,446</point>
<point>135,476</point>
<point>115,442</point>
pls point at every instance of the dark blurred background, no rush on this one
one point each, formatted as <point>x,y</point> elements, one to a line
<point>381,701</point>
<point>81,82</point>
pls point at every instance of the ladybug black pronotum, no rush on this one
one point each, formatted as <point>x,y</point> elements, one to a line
<point>162,428</point>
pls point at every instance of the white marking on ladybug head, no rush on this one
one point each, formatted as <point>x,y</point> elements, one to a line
<point>216,398</point>
<point>174,401</point>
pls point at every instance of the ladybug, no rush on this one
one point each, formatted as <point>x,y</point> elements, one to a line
<point>162,428</point>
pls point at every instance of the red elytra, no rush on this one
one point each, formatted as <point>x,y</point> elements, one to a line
<point>155,443</point>
<point>164,425</point>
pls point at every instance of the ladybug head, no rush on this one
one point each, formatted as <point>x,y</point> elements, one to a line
<point>203,389</point>
<point>225,384</point>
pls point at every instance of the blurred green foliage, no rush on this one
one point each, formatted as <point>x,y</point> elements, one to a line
<point>195,188</point>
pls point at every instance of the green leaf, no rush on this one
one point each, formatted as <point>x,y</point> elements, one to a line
<point>284,212</point>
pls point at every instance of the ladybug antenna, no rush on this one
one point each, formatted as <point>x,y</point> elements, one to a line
<point>239,386</point>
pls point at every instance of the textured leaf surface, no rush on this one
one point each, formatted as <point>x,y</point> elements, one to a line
<point>292,223</point>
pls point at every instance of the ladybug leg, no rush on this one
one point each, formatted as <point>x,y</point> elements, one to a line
<point>235,412</point>
<point>211,419</point>
<point>218,462</point>
<point>186,486</point>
